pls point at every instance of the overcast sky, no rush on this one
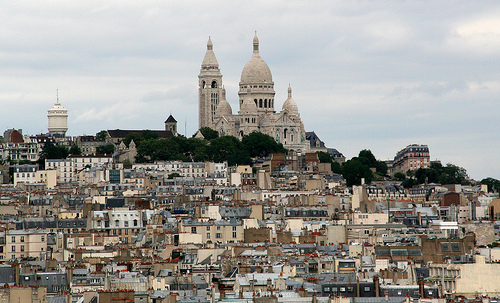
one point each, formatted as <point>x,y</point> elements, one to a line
<point>373,75</point>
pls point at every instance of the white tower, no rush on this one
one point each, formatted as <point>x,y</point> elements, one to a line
<point>58,119</point>
<point>210,87</point>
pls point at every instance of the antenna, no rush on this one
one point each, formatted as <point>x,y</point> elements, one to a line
<point>57,95</point>
<point>185,124</point>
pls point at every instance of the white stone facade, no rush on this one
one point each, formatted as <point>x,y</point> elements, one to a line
<point>256,101</point>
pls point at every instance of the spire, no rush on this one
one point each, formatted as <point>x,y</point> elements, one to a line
<point>255,43</point>
<point>57,96</point>
<point>210,59</point>
<point>223,93</point>
<point>210,45</point>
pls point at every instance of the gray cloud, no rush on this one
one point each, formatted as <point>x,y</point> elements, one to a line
<point>376,75</point>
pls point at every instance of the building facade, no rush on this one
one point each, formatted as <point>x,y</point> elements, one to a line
<point>256,101</point>
<point>412,157</point>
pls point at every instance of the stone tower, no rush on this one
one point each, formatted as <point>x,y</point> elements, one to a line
<point>210,88</point>
<point>58,119</point>
<point>171,125</point>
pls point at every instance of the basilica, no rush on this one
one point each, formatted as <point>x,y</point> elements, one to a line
<point>256,103</point>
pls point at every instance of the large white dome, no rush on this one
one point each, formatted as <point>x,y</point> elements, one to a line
<point>256,70</point>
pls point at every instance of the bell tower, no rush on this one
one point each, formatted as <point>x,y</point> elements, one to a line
<point>210,88</point>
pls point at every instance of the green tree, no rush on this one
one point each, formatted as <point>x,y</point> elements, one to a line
<point>230,149</point>
<point>336,167</point>
<point>102,135</point>
<point>173,175</point>
<point>368,155</point>
<point>75,150</point>
<point>356,169</point>
<point>493,184</point>
<point>409,183</point>
<point>137,137</point>
<point>107,149</point>
<point>399,176</point>
<point>260,145</point>
<point>208,133</point>
<point>325,157</point>
<point>51,151</point>
<point>127,163</point>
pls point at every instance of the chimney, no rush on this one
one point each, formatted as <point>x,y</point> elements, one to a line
<point>377,286</point>
<point>421,289</point>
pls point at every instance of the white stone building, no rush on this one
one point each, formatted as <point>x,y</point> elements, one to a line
<point>256,100</point>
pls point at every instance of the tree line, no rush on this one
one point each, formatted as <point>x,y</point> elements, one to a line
<point>210,148</point>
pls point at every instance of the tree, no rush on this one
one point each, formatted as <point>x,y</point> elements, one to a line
<point>493,184</point>
<point>137,137</point>
<point>102,135</point>
<point>51,151</point>
<point>75,150</point>
<point>127,163</point>
<point>230,149</point>
<point>356,169</point>
<point>261,145</point>
<point>399,176</point>
<point>368,158</point>
<point>327,158</point>
<point>324,157</point>
<point>208,133</point>
<point>107,149</point>
<point>173,175</point>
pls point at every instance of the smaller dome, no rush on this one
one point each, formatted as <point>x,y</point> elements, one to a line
<point>248,107</point>
<point>224,108</point>
<point>290,106</point>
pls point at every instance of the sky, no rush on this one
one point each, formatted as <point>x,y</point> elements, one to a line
<point>376,75</point>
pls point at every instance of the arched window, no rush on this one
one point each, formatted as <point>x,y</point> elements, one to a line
<point>255,100</point>
<point>203,84</point>
<point>260,103</point>
<point>284,133</point>
<point>214,84</point>
<point>265,103</point>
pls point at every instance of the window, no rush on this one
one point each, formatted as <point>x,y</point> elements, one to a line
<point>22,238</point>
<point>22,247</point>
<point>208,235</point>
<point>218,235</point>
<point>126,223</point>
<point>13,248</point>
<point>218,227</point>
<point>13,239</point>
<point>445,247</point>
<point>234,228</point>
<point>193,229</point>
<point>42,238</point>
<point>234,234</point>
